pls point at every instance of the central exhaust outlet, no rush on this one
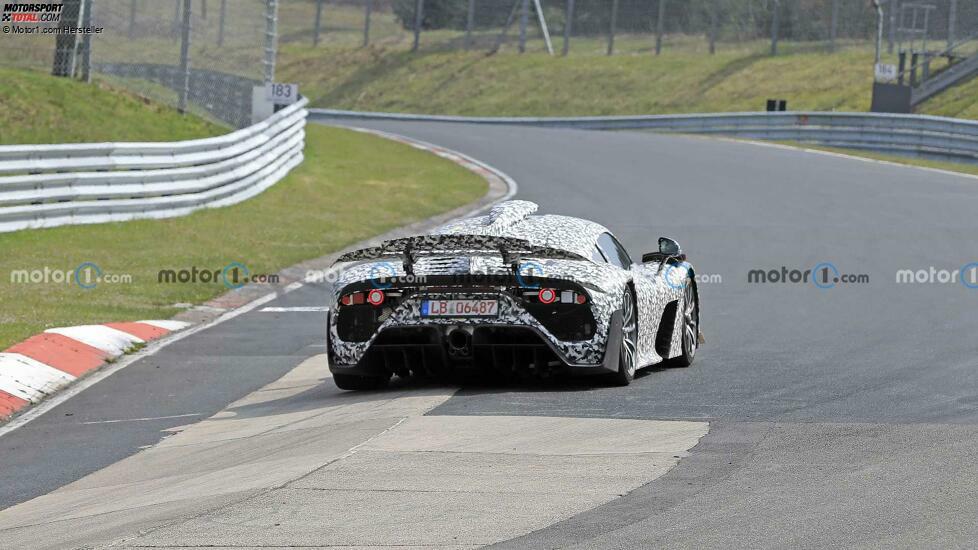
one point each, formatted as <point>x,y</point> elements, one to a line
<point>459,343</point>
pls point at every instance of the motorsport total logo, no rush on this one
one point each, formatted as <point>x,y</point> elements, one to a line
<point>31,13</point>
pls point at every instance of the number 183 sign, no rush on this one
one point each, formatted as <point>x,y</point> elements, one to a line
<point>281,94</point>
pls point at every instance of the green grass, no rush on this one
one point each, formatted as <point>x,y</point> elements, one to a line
<point>38,108</point>
<point>472,83</point>
<point>351,186</point>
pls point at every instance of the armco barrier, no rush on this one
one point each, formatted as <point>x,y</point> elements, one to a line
<point>50,185</point>
<point>919,135</point>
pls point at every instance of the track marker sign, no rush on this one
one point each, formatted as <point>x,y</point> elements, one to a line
<point>278,93</point>
<point>885,72</point>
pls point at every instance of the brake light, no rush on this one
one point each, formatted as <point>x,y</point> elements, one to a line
<point>375,297</point>
<point>352,299</point>
<point>547,295</point>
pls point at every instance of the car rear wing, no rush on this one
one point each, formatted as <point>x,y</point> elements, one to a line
<point>406,249</point>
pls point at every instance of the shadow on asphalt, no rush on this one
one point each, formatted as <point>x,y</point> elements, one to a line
<point>327,394</point>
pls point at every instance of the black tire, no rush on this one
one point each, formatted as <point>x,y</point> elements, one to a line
<point>357,382</point>
<point>627,361</point>
<point>690,325</point>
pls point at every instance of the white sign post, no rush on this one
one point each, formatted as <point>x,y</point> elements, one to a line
<point>266,98</point>
<point>886,72</point>
<point>279,93</point>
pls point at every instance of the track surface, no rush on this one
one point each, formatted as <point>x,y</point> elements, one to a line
<point>844,416</point>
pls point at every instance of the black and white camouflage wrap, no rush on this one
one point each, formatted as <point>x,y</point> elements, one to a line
<point>551,246</point>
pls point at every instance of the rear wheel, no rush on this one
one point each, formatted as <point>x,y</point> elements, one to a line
<point>627,361</point>
<point>690,327</point>
<point>357,382</point>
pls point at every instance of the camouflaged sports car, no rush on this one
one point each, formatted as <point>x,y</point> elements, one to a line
<point>514,293</point>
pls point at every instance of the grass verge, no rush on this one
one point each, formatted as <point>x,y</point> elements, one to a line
<point>350,187</point>
<point>39,108</point>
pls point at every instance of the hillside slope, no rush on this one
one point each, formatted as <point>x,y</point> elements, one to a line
<point>381,78</point>
<point>39,108</point>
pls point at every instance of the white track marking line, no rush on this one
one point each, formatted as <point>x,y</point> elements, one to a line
<point>306,309</point>
<point>171,326</point>
<point>157,345</point>
<point>28,378</point>
<point>142,419</point>
<point>804,148</point>
<point>112,341</point>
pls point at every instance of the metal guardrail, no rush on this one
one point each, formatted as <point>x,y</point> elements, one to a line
<point>51,185</point>
<point>933,137</point>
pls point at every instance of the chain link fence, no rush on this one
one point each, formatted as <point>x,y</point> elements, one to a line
<point>624,26</point>
<point>205,56</point>
<point>202,56</point>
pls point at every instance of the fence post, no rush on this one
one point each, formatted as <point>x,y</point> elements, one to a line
<point>220,25</point>
<point>524,21</point>
<point>132,19</point>
<point>368,7</point>
<point>892,5</point>
<point>185,57</point>
<point>611,26</point>
<point>86,47</point>
<point>660,26</point>
<point>713,27</point>
<point>469,23</point>
<point>271,38</point>
<point>568,22</point>
<point>952,20</point>
<point>834,26</point>
<point>776,13</point>
<point>177,25</point>
<point>418,19</point>
<point>319,20</point>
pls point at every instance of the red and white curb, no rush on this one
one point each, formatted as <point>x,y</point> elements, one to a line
<point>45,363</point>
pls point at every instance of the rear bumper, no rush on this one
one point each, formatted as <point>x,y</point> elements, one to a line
<point>502,349</point>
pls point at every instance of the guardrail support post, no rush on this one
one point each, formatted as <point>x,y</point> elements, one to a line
<point>185,57</point>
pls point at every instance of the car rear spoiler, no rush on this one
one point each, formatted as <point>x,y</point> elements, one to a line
<point>406,249</point>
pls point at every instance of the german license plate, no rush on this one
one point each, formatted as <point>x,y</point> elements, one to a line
<point>459,308</point>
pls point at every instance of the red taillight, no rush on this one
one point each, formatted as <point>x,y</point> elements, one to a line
<point>375,297</point>
<point>547,295</point>
<point>352,299</point>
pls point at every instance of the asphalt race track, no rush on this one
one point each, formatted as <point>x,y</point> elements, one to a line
<point>841,416</point>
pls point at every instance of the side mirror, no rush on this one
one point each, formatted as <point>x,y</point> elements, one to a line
<point>668,249</point>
